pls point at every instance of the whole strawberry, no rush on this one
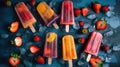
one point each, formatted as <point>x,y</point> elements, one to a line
<point>77,12</point>
<point>105,48</point>
<point>81,40</point>
<point>81,23</point>
<point>14,60</point>
<point>105,8</point>
<point>36,38</point>
<point>32,2</point>
<point>40,60</point>
<point>101,24</point>
<point>96,7</point>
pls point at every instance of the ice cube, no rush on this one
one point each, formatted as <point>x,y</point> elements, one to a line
<point>108,58</point>
<point>41,28</point>
<point>83,56</point>
<point>51,4</point>
<point>91,16</point>
<point>91,28</point>
<point>76,25</point>
<point>106,65</point>
<point>113,21</point>
<point>86,25</point>
<point>116,47</point>
<point>110,13</point>
<point>104,41</point>
<point>109,51</point>
<point>4,36</point>
<point>80,62</point>
<point>109,33</point>
<point>111,8</point>
<point>102,57</point>
<point>22,51</point>
<point>27,63</point>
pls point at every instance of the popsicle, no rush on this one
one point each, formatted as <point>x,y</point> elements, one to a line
<point>50,48</point>
<point>47,14</point>
<point>93,44</point>
<point>68,49</point>
<point>67,14</point>
<point>25,16</point>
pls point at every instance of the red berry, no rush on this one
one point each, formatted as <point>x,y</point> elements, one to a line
<point>36,38</point>
<point>81,40</point>
<point>40,60</point>
<point>81,23</point>
<point>105,48</point>
<point>105,8</point>
<point>77,12</point>
<point>34,49</point>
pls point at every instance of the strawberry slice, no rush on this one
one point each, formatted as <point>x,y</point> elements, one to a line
<point>34,49</point>
<point>14,60</point>
<point>40,60</point>
<point>14,27</point>
<point>81,40</point>
<point>17,41</point>
<point>85,11</point>
<point>96,62</point>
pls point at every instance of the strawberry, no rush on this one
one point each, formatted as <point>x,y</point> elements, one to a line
<point>40,60</point>
<point>14,60</point>
<point>36,38</point>
<point>96,7</point>
<point>101,24</point>
<point>8,3</point>
<point>34,49</point>
<point>85,11</point>
<point>14,27</point>
<point>96,62</point>
<point>17,41</point>
<point>84,31</point>
<point>81,23</point>
<point>77,12</point>
<point>105,48</point>
<point>81,40</point>
<point>32,2</point>
<point>105,8</point>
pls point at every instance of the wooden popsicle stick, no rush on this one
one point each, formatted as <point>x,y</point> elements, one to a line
<point>49,61</point>
<point>67,28</point>
<point>70,63</point>
<point>56,26</point>
<point>32,28</point>
<point>88,57</point>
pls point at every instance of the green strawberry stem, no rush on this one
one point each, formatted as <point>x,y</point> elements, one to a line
<point>14,55</point>
<point>100,64</point>
<point>104,21</point>
<point>12,42</point>
<point>9,27</point>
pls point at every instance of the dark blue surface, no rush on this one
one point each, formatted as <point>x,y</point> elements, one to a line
<point>8,15</point>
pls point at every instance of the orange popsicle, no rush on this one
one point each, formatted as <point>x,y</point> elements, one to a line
<point>68,49</point>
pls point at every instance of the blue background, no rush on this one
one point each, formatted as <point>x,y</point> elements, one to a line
<point>8,15</point>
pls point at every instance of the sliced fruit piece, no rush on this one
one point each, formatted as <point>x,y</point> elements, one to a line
<point>40,60</point>
<point>85,11</point>
<point>96,62</point>
<point>14,27</point>
<point>81,40</point>
<point>77,12</point>
<point>34,49</point>
<point>36,38</point>
<point>52,37</point>
<point>81,23</point>
<point>96,7</point>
